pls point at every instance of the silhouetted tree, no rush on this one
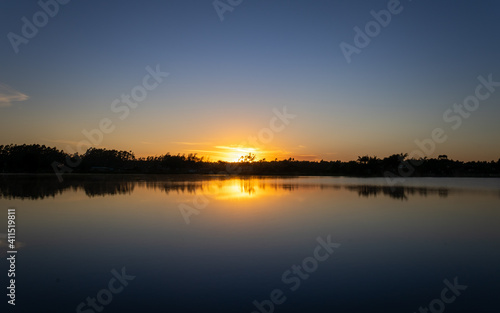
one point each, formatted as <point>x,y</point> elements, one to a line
<point>38,159</point>
<point>28,158</point>
<point>247,158</point>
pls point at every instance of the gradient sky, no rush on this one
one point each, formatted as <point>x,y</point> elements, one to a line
<point>226,77</point>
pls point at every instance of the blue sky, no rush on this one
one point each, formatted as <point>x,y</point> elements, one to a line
<point>226,77</point>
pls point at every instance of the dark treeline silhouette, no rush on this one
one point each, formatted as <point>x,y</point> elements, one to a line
<point>42,159</point>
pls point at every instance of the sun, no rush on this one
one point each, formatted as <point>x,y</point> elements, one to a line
<point>234,153</point>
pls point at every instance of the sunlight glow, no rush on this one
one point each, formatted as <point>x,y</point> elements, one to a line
<point>233,154</point>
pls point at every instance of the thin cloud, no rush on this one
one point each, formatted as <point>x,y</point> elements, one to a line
<point>203,151</point>
<point>308,157</point>
<point>226,148</point>
<point>191,143</point>
<point>9,95</point>
<point>69,142</point>
<point>236,148</point>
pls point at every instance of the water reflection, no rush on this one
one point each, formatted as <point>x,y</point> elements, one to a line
<point>397,243</point>
<point>398,192</point>
<point>222,187</point>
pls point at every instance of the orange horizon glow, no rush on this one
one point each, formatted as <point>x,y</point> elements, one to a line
<point>229,153</point>
<point>234,153</point>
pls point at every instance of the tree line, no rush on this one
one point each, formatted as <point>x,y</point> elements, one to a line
<point>42,159</point>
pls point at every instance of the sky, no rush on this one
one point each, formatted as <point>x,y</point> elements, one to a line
<point>305,79</point>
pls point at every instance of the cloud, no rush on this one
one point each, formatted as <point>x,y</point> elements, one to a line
<point>191,143</point>
<point>9,95</point>
<point>203,151</point>
<point>63,141</point>
<point>237,148</point>
<point>308,157</point>
<point>69,142</point>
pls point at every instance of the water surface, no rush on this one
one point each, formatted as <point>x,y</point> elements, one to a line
<point>397,244</point>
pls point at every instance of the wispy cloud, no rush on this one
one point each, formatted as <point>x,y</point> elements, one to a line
<point>203,151</point>
<point>236,148</point>
<point>191,143</point>
<point>308,157</point>
<point>69,142</point>
<point>9,95</point>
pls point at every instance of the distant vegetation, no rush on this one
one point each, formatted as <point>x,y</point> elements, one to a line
<point>42,159</point>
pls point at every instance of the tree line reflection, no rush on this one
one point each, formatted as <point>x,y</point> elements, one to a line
<point>47,186</point>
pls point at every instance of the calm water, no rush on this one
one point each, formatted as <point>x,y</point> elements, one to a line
<point>217,244</point>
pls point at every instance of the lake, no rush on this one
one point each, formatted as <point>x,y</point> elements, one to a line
<point>97,243</point>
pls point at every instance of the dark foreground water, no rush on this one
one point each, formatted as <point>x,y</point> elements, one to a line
<point>260,244</point>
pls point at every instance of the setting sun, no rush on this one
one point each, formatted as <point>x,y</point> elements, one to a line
<point>234,154</point>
